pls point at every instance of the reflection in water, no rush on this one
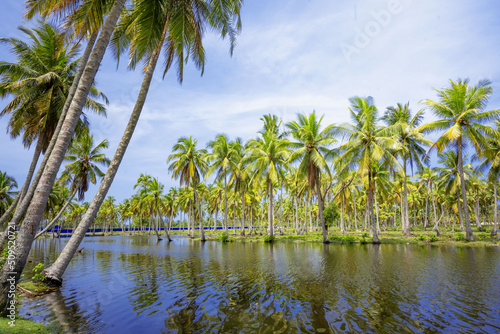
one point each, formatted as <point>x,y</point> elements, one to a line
<point>124,284</point>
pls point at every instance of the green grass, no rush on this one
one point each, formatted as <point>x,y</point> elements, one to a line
<point>23,326</point>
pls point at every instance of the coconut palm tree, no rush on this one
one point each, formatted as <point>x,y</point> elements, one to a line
<point>312,146</point>
<point>7,186</point>
<point>38,83</point>
<point>267,158</point>
<point>368,143</point>
<point>492,162</point>
<point>221,160</point>
<point>187,164</point>
<point>406,128</point>
<point>35,211</point>
<point>460,110</point>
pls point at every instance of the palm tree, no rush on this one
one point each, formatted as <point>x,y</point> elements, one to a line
<point>411,137</point>
<point>312,147</point>
<point>430,177</point>
<point>267,158</point>
<point>492,155</point>
<point>221,160</point>
<point>368,143</point>
<point>187,163</point>
<point>39,81</point>
<point>460,112</point>
<point>7,185</point>
<point>35,211</point>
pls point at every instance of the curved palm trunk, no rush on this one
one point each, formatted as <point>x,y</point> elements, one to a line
<point>468,229</point>
<point>35,211</point>
<point>56,270</point>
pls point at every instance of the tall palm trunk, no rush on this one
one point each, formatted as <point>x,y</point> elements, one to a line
<point>164,225</point>
<point>225,200</point>
<point>495,208</point>
<point>468,229</point>
<point>460,211</point>
<point>426,206</point>
<point>355,210</point>
<point>342,224</point>
<point>270,208</point>
<point>320,209</point>
<point>35,211</point>
<point>406,220</point>
<point>436,222</point>
<point>371,222</point>
<point>478,213</point>
<point>242,233</point>
<point>197,200</point>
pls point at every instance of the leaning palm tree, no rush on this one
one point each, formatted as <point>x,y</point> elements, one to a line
<point>267,158</point>
<point>35,211</point>
<point>368,143</point>
<point>460,110</point>
<point>312,147</point>
<point>405,127</point>
<point>187,163</point>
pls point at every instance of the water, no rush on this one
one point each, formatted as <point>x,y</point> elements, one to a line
<point>123,284</point>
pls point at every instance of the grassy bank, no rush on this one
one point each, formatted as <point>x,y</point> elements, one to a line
<point>481,239</point>
<point>23,326</point>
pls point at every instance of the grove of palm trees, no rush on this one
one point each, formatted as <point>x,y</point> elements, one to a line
<point>241,221</point>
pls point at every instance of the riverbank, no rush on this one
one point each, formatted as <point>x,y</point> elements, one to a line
<point>481,239</point>
<point>23,326</point>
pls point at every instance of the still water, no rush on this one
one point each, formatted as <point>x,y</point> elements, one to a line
<point>132,284</point>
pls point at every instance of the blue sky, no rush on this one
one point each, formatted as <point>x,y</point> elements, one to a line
<point>292,56</point>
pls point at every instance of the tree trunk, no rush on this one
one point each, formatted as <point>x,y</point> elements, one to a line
<point>225,201</point>
<point>242,232</point>
<point>39,234</point>
<point>164,225</point>
<point>468,229</point>
<point>406,220</point>
<point>320,209</point>
<point>495,208</point>
<point>196,199</point>
<point>460,211</point>
<point>436,227</point>
<point>35,211</point>
<point>370,209</point>
<point>342,228</point>
<point>270,208</point>
<point>426,206</point>
<point>478,214</point>
<point>376,211</point>
<point>355,210</point>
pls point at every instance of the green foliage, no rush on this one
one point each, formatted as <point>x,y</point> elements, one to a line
<point>331,213</point>
<point>223,237</point>
<point>459,237</point>
<point>433,238</point>
<point>269,238</point>
<point>421,237</point>
<point>348,239</point>
<point>364,236</point>
<point>38,272</point>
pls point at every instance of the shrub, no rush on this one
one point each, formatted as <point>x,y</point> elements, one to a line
<point>223,237</point>
<point>268,238</point>
<point>459,237</point>
<point>433,238</point>
<point>349,239</point>
<point>421,237</point>
<point>38,277</point>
